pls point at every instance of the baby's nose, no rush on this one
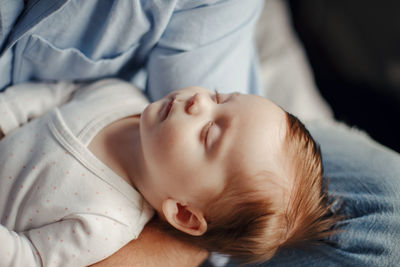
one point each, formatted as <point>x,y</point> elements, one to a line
<point>194,104</point>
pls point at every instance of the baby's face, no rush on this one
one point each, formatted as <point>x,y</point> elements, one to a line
<point>193,140</point>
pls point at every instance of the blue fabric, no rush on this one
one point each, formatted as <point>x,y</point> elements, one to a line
<point>158,45</point>
<point>366,176</point>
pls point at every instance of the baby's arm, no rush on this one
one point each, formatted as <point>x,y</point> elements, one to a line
<point>16,250</point>
<point>80,240</point>
<point>22,102</point>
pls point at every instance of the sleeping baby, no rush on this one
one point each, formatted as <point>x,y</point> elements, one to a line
<point>85,166</point>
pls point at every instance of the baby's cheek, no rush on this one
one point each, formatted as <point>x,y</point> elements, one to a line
<point>173,142</point>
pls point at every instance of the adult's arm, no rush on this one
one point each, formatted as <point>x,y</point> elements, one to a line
<point>154,248</point>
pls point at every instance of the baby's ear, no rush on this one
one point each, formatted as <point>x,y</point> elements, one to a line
<point>184,218</point>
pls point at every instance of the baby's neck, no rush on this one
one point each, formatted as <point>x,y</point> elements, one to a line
<point>118,147</point>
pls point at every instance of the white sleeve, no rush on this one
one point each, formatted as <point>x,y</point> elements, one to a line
<point>81,240</point>
<point>16,250</point>
<point>22,102</point>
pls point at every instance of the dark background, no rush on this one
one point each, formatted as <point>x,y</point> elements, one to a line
<point>354,50</point>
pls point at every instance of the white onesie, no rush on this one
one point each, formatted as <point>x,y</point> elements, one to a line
<point>59,204</point>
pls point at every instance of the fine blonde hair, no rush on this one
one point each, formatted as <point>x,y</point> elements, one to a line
<point>249,225</point>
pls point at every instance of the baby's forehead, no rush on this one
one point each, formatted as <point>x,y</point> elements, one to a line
<point>261,139</point>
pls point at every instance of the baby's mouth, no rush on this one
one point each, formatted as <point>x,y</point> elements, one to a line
<point>167,108</point>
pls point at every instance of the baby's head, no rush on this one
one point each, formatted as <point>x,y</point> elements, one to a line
<point>233,173</point>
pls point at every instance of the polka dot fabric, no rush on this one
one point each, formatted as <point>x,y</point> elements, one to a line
<point>59,204</point>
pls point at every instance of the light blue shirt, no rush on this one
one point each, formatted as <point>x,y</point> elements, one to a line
<point>159,45</point>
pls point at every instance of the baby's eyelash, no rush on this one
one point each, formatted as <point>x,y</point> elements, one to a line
<point>217,96</point>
